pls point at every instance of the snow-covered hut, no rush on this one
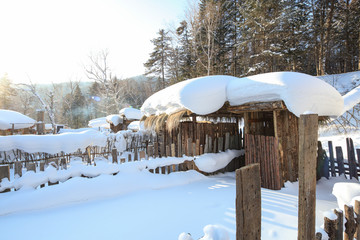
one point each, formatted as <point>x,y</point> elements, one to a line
<point>11,121</point>
<point>122,120</point>
<point>269,105</point>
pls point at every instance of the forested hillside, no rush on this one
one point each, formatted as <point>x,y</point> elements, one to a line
<point>246,37</point>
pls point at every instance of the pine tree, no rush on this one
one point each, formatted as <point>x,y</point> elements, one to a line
<point>159,59</point>
<point>77,108</point>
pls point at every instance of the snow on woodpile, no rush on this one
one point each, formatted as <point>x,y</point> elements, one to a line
<point>301,93</point>
<point>8,117</point>
<point>52,144</point>
<point>131,113</point>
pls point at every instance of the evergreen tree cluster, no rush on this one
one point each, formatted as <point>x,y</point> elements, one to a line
<point>247,37</point>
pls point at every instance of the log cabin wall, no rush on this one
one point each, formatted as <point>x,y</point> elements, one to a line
<point>195,138</point>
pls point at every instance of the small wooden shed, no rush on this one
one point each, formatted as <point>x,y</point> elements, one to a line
<point>264,122</point>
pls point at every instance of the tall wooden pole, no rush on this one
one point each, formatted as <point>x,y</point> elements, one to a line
<point>308,137</point>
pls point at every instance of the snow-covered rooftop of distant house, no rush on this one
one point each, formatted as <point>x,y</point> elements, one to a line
<point>301,93</point>
<point>8,117</point>
<point>99,122</point>
<point>131,113</point>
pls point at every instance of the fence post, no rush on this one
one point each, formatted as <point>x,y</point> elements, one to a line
<point>332,163</point>
<point>5,173</point>
<point>357,212</point>
<point>31,167</point>
<point>334,228</point>
<point>114,155</point>
<point>248,203</point>
<point>350,225</point>
<point>308,137</point>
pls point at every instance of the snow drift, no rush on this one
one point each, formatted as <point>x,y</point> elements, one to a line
<point>204,95</point>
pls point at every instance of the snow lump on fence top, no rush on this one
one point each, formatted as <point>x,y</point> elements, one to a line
<point>8,117</point>
<point>204,95</point>
<point>131,113</point>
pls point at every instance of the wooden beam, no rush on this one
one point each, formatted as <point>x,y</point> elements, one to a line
<point>257,107</point>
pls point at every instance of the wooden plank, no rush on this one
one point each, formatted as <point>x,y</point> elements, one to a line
<point>173,152</point>
<point>18,169</point>
<point>31,167</point>
<point>334,227</point>
<point>156,149</point>
<point>129,157</point>
<point>122,160</point>
<point>248,203</point>
<point>189,147</point>
<point>63,163</point>
<point>308,137</point>
<point>227,141</point>
<point>220,144</point>
<point>136,154</point>
<point>332,160</point>
<point>340,160</point>
<point>352,161</point>
<point>197,147</point>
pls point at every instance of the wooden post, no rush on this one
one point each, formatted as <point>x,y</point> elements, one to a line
<point>227,141</point>
<point>18,168</point>
<point>340,160</point>
<point>129,157</point>
<point>114,155</point>
<point>63,163</point>
<point>334,228</point>
<point>168,154</point>
<point>357,212</point>
<point>136,157</point>
<point>122,160</point>
<point>308,137</point>
<point>332,161</point>
<point>350,225</point>
<point>156,149</point>
<point>248,203</point>
<point>5,173</point>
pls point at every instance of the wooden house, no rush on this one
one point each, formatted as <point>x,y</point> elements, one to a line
<point>204,115</point>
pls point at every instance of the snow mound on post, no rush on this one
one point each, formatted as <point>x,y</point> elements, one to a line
<point>131,113</point>
<point>8,117</point>
<point>345,192</point>
<point>300,92</point>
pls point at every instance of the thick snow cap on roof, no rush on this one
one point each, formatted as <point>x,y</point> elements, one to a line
<point>131,113</point>
<point>8,117</point>
<point>301,93</point>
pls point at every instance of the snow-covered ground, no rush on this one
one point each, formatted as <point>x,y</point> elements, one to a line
<point>141,205</point>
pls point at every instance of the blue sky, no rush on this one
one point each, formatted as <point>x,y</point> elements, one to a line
<point>50,41</point>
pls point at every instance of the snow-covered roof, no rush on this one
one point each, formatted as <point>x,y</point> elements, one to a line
<point>131,113</point>
<point>20,121</point>
<point>300,92</point>
<point>99,122</point>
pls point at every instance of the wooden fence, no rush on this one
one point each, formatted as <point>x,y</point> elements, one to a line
<point>264,150</point>
<point>335,227</point>
<point>335,165</point>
